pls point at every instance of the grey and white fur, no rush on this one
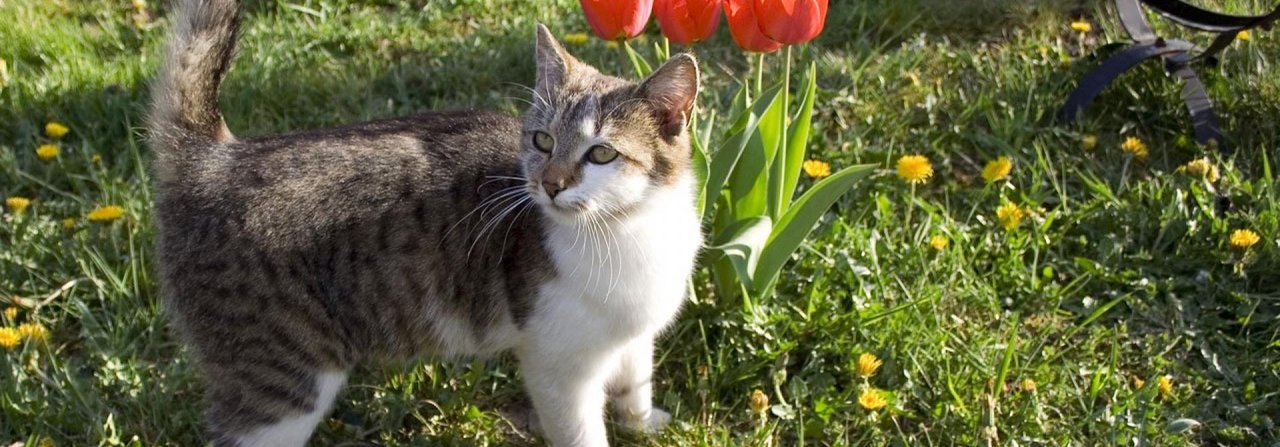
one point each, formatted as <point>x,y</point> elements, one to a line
<point>286,261</point>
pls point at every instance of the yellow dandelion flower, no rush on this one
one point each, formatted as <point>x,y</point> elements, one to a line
<point>816,168</point>
<point>868,364</point>
<point>913,77</point>
<point>9,338</point>
<point>69,223</point>
<point>1028,385</point>
<point>576,38</point>
<point>11,312</point>
<point>33,331</point>
<point>1165,386</point>
<point>17,204</point>
<point>1010,216</point>
<point>56,130</point>
<point>1201,169</point>
<point>1138,383</point>
<point>997,169</point>
<point>1089,142</point>
<point>939,242</point>
<point>1243,239</point>
<point>914,168</point>
<point>759,402</point>
<point>1244,35</point>
<point>47,152</point>
<point>1081,26</point>
<point>871,399</point>
<point>1135,146</point>
<point>106,213</point>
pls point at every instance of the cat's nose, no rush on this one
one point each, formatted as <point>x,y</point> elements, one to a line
<point>552,187</point>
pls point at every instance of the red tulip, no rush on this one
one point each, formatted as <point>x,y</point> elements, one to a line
<point>617,19</point>
<point>791,22</point>
<point>687,21</point>
<point>745,28</point>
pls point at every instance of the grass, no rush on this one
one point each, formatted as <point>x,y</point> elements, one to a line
<point>1121,272</point>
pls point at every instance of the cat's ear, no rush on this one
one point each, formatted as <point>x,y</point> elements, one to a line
<point>671,90</point>
<point>553,62</point>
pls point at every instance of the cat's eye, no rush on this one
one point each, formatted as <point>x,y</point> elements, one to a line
<point>543,141</point>
<point>601,154</point>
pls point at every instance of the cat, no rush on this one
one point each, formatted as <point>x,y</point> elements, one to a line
<point>566,236</point>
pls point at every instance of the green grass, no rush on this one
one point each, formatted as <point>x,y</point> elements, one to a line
<point>1122,271</point>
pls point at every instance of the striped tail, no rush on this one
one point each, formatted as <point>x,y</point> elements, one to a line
<point>184,114</point>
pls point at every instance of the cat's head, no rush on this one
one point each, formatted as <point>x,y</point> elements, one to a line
<point>595,144</point>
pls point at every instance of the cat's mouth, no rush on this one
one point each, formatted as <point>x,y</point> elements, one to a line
<point>567,212</point>
<point>570,208</point>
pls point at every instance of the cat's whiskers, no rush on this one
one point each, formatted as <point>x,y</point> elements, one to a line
<point>578,233</point>
<point>601,257</point>
<point>509,207</point>
<point>518,98</point>
<point>592,279</point>
<point>605,262</point>
<point>488,201</point>
<point>536,95</point>
<point>524,207</point>
<point>610,211</point>
<point>580,226</point>
<point>615,272</point>
<point>498,178</point>
<point>619,106</point>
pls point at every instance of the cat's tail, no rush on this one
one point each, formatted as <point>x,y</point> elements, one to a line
<point>184,110</point>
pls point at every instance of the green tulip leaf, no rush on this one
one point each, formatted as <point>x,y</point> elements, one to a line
<point>798,141</point>
<point>700,171</point>
<point>798,222</point>
<point>742,243</point>
<point>726,158</point>
<point>638,63</point>
<point>748,186</point>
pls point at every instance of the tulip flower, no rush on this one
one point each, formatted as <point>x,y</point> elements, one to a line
<point>745,28</point>
<point>617,19</point>
<point>791,22</point>
<point>687,21</point>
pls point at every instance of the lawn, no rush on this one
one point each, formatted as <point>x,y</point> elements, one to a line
<point>1116,306</point>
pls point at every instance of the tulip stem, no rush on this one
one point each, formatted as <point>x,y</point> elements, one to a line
<point>626,56</point>
<point>780,153</point>
<point>759,74</point>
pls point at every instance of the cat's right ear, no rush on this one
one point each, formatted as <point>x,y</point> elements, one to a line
<point>554,63</point>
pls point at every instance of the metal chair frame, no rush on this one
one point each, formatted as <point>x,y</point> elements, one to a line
<point>1177,55</point>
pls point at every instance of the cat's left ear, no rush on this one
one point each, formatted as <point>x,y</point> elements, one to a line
<point>553,62</point>
<point>671,91</point>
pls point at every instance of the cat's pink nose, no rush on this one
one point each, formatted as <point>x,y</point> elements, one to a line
<point>552,188</point>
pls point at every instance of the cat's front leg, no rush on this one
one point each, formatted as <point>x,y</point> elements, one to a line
<point>568,392</point>
<point>632,389</point>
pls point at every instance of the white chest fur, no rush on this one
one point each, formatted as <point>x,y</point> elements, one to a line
<point>622,277</point>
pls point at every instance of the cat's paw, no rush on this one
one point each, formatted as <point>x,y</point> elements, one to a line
<point>655,422</point>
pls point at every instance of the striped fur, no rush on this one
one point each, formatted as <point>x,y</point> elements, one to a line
<point>287,261</point>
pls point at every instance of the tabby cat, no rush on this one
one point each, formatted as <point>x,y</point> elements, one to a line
<point>566,237</point>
